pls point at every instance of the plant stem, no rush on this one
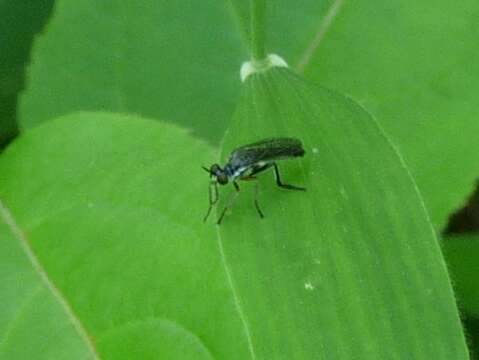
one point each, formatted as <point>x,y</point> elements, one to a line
<point>257,8</point>
<point>241,16</point>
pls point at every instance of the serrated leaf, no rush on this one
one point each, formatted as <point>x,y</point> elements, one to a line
<point>350,269</point>
<point>111,206</point>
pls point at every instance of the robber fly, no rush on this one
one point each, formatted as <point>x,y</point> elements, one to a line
<point>246,162</point>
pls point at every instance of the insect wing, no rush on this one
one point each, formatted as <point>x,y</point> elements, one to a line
<point>266,150</point>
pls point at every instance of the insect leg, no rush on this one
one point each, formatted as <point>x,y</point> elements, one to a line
<point>285,186</point>
<point>256,205</point>
<point>231,199</point>
<point>213,199</point>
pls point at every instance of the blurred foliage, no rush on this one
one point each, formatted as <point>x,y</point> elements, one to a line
<point>20,20</point>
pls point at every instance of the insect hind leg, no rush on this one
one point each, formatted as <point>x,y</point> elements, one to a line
<point>281,184</point>
<point>252,177</point>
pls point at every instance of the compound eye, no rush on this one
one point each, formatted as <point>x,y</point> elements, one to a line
<point>222,179</point>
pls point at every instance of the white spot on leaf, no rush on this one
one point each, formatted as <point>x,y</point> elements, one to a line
<point>343,192</point>
<point>308,286</point>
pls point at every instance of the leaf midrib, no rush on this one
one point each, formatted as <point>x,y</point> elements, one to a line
<point>324,25</point>
<point>18,234</point>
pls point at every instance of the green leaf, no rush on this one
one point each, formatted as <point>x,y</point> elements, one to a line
<point>111,207</point>
<point>32,313</point>
<point>350,269</point>
<point>290,27</point>
<point>462,252</point>
<point>169,60</point>
<point>180,61</point>
<point>414,66</point>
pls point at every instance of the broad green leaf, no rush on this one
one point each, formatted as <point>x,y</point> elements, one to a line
<point>173,60</point>
<point>111,207</point>
<point>176,60</point>
<point>462,253</point>
<point>351,269</point>
<point>31,312</point>
<point>414,65</point>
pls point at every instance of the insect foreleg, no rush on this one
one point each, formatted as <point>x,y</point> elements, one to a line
<point>230,202</point>
<point>213,198</point>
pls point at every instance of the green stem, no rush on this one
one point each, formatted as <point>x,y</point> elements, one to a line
<point>241,16</point>
<point>257,8</point>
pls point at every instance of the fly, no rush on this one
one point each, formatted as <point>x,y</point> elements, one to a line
<point>248,161</point>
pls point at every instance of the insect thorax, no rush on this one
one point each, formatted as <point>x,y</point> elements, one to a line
<point>234,172</point>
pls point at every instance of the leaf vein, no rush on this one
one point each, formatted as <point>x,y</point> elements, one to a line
<point>8,218</point>
<point>236,300</point>
<point>319,36</point>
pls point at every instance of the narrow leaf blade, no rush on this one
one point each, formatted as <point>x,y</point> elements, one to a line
<point>351,269</point>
